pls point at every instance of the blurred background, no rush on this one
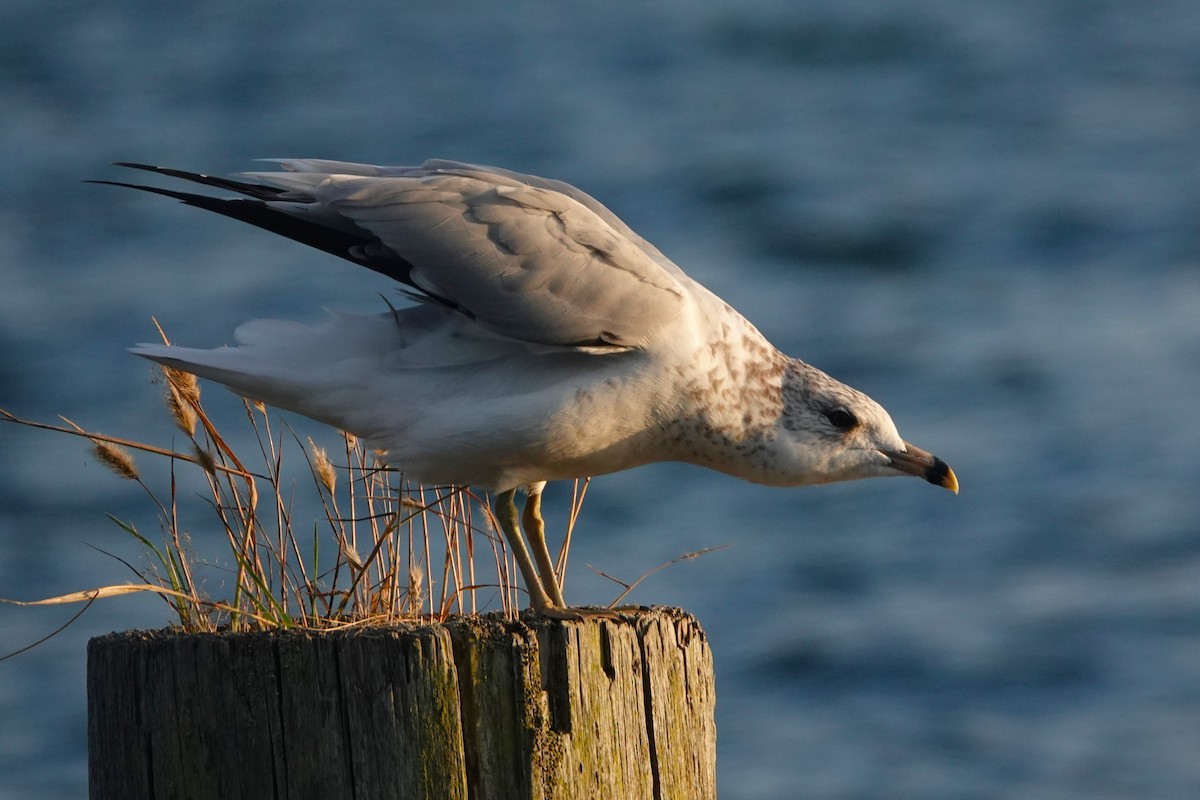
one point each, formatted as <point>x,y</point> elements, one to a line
<point>982,214</point>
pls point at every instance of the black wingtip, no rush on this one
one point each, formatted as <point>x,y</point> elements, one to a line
<point>135,165</point>
<point>257,207</point>
<point>256,190</point>
<point>184,197</point>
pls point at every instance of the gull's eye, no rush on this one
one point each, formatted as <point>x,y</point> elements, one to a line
<point>841,419</point>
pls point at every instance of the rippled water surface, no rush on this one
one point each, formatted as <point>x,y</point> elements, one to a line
<point>982,214</point>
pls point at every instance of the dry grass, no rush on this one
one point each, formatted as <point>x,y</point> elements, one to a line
<point>382,550</point>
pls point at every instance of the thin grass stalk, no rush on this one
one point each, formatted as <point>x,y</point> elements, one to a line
<point>454,541</point>
<point>414,602</point>
<point>226,497</point>
<point>178,600</point>
<point>500,558</point>
<point>237,516</point>
<point>577,493</point>
<point>393,509</point>
<point>374,568</point>
<point>313,596</point>
<point>283,527</point>
<point>427,561</point>
<point>461,510</point>
<point>381,508</point>
<point>322,474</point>
<point>6,416</point>
<point>449,582</point>
<point>351,487</point>
<point>362,570</point>
<point>173,527</point>
<point>463,515</point>
<point>447,556</point>
<point>415,599</point>
<point>173,576</point>
<point>249,563</point>
<point>272,454</point>
<point>396,550</point>
<point>375,498</point>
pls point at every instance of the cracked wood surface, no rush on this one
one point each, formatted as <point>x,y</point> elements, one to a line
<point>479,707</point>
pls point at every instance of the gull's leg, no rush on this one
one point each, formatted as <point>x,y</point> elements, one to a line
<point>535,529</point>
<point>506,516</point>
<point>505,509</point>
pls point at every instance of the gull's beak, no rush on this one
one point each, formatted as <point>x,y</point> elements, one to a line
<point>915,461</point>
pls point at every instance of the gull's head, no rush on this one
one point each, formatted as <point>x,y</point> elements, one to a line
<point>832,432</point>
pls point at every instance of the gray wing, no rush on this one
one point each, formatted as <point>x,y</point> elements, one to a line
<point>493,174</point>
<point>526,262</point>
<point>527,258</point>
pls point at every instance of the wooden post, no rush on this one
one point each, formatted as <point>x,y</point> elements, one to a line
<point>476,708</point>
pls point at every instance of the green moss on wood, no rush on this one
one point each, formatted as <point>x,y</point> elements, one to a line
<point>480,707</point>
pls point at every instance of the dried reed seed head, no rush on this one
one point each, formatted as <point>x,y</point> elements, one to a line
<point>351,555</point>
<point>183,397</point>
<point>416,582</point>
<point>323,467</point>
<point>181,411</point>
<point>183,382</point>
<point>259,406</point>
<point>351,439</point>
<point>117,459</point>
<point>205,460</point>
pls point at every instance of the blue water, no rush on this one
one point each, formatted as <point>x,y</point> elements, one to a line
<point>983,214</point>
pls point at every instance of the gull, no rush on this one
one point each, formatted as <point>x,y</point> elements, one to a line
<point>548,341</point>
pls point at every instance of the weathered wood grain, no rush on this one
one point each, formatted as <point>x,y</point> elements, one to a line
<point>479,707</point>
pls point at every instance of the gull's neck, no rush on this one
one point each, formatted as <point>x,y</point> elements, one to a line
<point>734,396</point>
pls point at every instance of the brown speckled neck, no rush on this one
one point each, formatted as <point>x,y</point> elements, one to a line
<point>732,404</point>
